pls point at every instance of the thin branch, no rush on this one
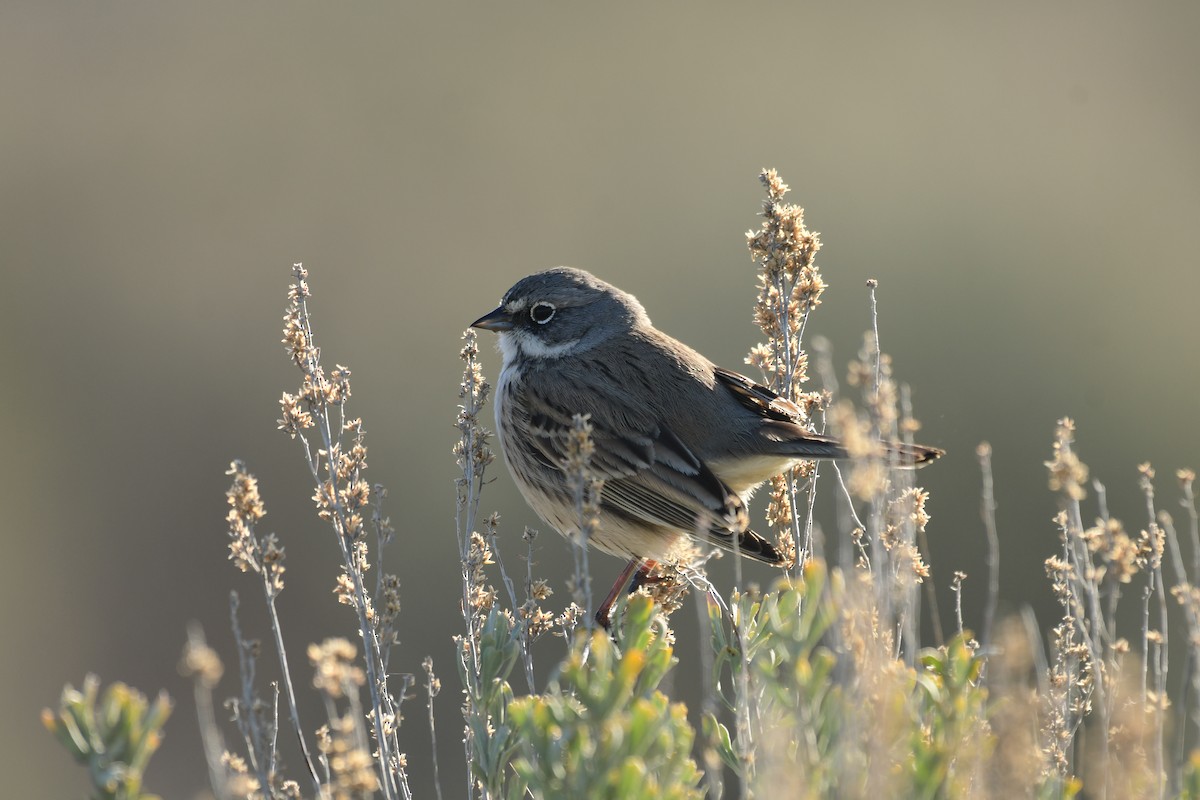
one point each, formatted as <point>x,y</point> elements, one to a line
<point>988,512</point>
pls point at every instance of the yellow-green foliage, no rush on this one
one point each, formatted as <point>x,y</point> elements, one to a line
<point>114,734</point>
<point>488,720</point>
<point>772,642</point>
<point>822,707</point>
<point>950,737</point>
<point>1191,778</point>
<point>603,730</point>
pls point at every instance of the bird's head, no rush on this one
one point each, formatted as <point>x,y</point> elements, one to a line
<point>559,312</point>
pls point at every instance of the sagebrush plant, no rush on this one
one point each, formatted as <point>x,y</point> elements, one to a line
<point>113,734</point>
<point>819,686</point>
<point>602,728</point>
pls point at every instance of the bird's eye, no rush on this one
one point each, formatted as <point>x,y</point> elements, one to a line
<point>541,313</point>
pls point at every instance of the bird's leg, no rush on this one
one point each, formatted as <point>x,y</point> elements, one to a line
<point>643,576</point>
<point>642,567</point>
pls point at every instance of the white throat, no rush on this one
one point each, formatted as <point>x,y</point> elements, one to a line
<point>516,349</point>
<point>514,344</point>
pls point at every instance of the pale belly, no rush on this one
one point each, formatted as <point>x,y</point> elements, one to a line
<point>744,475</point>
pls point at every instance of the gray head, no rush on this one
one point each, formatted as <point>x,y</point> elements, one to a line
<point>549,314</point>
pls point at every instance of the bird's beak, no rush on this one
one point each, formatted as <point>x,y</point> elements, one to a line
<point>498,320</point>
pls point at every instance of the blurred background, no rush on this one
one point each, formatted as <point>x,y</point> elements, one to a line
<point>1023,180</point>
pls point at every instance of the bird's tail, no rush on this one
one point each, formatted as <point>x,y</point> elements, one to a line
<point>917,455</point>
<point>899,453</point>
<point>750,545</point>
<point>756,547</point>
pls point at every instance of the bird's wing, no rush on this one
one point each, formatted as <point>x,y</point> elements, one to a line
<point>758,398</point>
<point>782,426</point>
<point>649,474</point>
<point>781,419</point>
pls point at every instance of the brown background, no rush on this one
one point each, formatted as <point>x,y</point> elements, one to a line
<point>1022,178</point>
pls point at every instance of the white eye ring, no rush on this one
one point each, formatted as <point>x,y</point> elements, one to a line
<point>542,312</point>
